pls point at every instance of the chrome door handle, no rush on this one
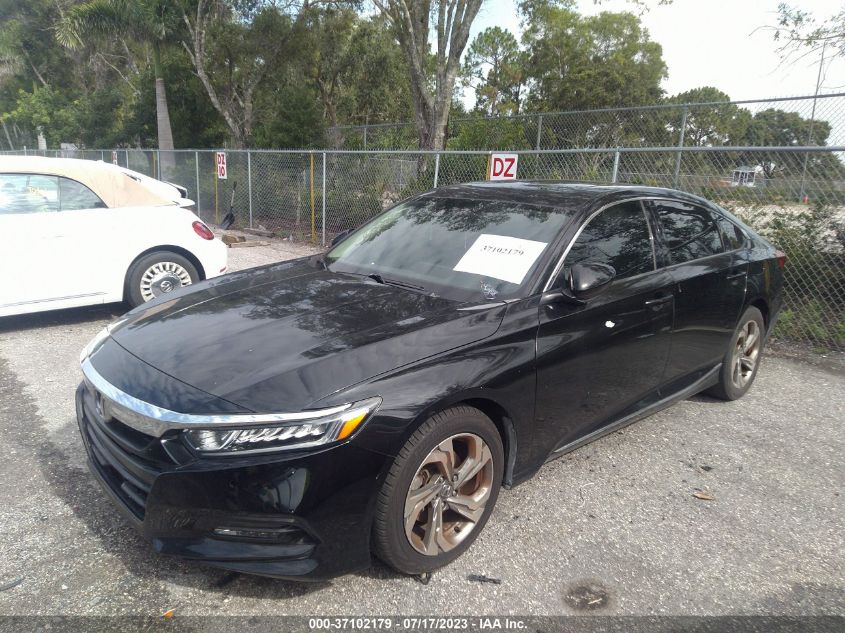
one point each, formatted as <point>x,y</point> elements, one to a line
<point>651,303</point>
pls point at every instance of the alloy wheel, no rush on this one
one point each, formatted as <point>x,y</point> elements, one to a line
<point>746,353</point>
<point>161,278</point>
<point>448,494</point>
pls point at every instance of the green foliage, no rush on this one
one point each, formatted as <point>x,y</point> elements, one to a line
<point>577,62</point>
<point>814,276</point>
<point>496,67</point>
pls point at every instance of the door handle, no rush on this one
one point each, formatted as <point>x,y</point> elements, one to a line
<point>736,275</point>
<point>659,301</point>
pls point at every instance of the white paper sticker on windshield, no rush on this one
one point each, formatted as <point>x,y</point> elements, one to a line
<point>501,257</point>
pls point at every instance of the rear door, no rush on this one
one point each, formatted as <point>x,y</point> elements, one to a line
<point>709,288</point>
<point>601,359</point>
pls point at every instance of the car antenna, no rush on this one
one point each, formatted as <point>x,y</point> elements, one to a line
<point>229,218</point>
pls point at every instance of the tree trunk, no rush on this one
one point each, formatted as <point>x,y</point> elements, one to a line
<point>165,133</point>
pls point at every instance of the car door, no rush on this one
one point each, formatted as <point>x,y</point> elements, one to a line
<point>87,239</point>
<point>598,360</point>
<point>28,212</point>
<point>709,286</point>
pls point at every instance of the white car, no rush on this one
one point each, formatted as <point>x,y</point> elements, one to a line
<point>79,232</point>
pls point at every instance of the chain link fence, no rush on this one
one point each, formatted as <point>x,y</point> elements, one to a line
<point>793,195</point>
<point>755,122</point>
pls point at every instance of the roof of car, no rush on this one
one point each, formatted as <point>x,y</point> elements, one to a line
<point>567,195</point>
<point>113,185</point>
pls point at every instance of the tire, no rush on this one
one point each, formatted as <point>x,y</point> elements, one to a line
<point>742,360</point>
<point>473,439</point>
<point>157,273</point>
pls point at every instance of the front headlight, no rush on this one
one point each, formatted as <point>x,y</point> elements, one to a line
<point>306,433</point>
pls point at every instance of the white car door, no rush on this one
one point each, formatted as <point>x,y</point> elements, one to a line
<point>89,238</point>
<point>30,236</point>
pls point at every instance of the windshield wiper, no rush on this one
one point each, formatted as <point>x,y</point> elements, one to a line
<point>395,282</point>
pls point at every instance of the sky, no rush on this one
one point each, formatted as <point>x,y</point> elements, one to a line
<point>711,43</point>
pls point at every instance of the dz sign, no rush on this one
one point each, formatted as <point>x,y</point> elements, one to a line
<point>221,165</point>
<point>503,166</point>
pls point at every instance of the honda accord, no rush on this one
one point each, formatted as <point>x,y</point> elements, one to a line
<point>296,420</point>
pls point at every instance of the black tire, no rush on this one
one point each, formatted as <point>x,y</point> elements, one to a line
<point>132,291</point>
<point>727,389</point>
<point>390,542</point>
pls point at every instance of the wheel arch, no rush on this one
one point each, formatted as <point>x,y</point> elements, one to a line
<point>762,305</point>
<point>493,409</point>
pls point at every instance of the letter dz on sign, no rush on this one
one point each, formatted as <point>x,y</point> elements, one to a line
<point>503,166</point>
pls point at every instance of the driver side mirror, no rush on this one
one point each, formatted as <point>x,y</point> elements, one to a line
<point>341,236</point>
<point>585,280</point>
<point>587,277</point>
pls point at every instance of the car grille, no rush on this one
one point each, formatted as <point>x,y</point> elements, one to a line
<point>127,460</point>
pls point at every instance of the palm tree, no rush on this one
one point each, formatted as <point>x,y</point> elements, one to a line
<point>149,22</point>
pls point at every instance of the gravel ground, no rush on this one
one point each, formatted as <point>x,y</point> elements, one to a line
<point>614,523</point>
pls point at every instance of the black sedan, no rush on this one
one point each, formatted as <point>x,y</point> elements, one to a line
<point>297,419</point>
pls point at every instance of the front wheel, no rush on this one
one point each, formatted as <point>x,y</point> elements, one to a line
<point>439,492</point>
<point>739,366</point>
<point>156,274</point>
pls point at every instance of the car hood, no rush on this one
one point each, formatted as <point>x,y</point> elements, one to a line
<point>281,337</point>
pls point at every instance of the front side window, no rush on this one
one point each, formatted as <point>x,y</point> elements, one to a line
<point>690,232</point>
<point>460,249</point>
<point>618,236</point>
<point>76,196</point>
<point>28,193</point>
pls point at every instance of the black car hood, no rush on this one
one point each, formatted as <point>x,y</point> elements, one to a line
<point>281,337</point>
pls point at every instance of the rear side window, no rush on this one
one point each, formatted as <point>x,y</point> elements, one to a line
<point>690,232</point>
<point>28,193</point>
<point>75,196</point>
<point>618,236</point>
<point>732,235</point>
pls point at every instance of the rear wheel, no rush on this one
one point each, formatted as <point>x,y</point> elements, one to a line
<point>739,367</point>
<point>439,492</point>
<point>156,274</point>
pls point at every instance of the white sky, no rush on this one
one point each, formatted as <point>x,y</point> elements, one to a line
<point>711,43</point>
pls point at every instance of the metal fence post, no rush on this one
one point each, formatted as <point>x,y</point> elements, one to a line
<point>615,175</point>
<point>324,199</point>
<point>199,197</point>
<point>126,152</point>
<point>680,146</point>
<point>539,130</point>
<point>365,138</point>
<point>436,169</point>
<point>249,183</point>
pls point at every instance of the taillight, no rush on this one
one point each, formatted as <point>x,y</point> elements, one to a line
<point>781,257</point>
<point>203,231</point>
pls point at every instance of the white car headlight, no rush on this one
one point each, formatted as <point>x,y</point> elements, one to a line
<point>288,435</point>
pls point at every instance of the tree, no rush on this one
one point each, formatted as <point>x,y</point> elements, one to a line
<point>153,23</point>
<point>497,67</point>
<point>708,125</point>
<point>580,62</point>
<point>432,96</point>
<point>797,29</point>
<point>232,53</point>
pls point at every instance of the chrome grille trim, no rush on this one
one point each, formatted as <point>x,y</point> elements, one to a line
<point>155,421</point>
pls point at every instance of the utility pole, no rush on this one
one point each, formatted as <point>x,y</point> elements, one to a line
<point>812,122</point>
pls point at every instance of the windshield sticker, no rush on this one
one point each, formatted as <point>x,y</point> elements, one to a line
<point>501,257</point>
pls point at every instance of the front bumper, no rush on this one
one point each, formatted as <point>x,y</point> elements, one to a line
<point>313,511</point>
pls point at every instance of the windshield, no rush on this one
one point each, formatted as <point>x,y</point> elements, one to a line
<point>459,249</point>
